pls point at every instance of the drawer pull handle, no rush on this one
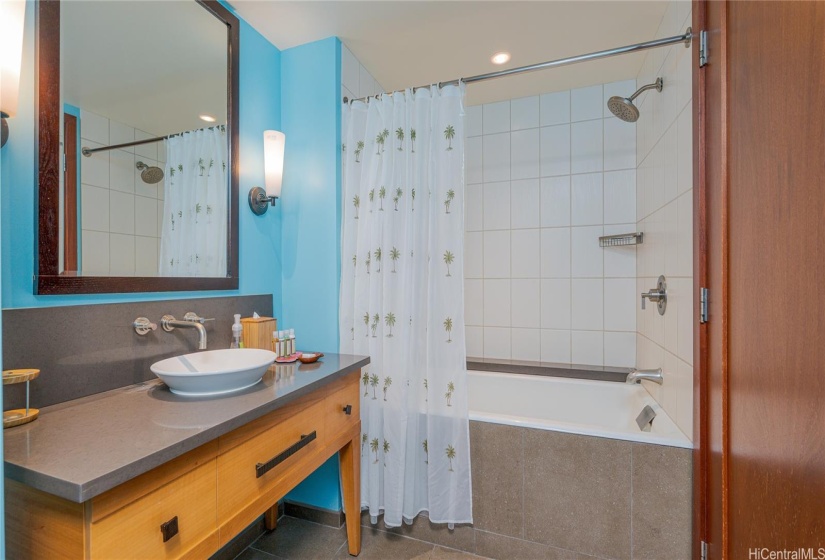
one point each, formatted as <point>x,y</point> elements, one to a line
<point>169,529</point>
<point>348,409</point>
<point>262,468</point>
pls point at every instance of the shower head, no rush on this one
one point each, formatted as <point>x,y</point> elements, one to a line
<point>624,108</point>
<point>149,173</point>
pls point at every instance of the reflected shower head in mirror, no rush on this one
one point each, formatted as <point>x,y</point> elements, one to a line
<point>150,174</point>
<point>624,108</point>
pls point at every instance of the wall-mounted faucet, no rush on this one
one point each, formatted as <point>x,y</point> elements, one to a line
<point>190,321</point>
<point>658,295</point>
<point>638,375</point>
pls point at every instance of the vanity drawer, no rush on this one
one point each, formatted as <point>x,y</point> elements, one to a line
<point>343,406</point>
<point>255,467</point>
<point>135,531</point>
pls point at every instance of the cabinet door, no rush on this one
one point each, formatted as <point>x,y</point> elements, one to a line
<point>177,520</point>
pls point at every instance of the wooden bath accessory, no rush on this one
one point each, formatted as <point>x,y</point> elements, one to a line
<point>310,357</point>
<point>257,332</point>
<point>20,415</point>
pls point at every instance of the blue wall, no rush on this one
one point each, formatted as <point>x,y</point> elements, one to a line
<point>260,247</point>
<point>311,244</point>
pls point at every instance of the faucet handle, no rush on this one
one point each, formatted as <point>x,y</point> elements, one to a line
<point>144,326</point>
<point>194,317</point>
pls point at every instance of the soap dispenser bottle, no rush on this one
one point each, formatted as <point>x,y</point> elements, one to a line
<point>237,332</point>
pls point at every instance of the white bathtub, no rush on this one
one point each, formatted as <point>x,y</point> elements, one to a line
<point>576,406</point>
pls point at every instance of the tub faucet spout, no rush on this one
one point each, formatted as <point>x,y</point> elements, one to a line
<point>638,375</point>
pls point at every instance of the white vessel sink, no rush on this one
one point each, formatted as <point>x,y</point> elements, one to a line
<point>215,372</point>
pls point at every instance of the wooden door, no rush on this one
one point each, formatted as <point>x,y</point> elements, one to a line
<point>761,395</point>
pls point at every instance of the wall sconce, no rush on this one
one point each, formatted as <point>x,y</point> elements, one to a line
<point>12,15</point>
<point>260,199</point>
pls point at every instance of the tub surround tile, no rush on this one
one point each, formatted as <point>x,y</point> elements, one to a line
<point>586,103</point>
<point>496,206</point>
<point>524,306</point>
<point>500,547</point>
<point>664,169</point>
<point>496,155</point>
<point>496,117</point>
<point>555,201</point>
<point>524,154</point>
<point>555,150</point>
<point>662,501</point>
<point>557,172</point>
<point>496,455</point>
<point>524,204</point>
<point>571,479</point>
<point>524,113</point>
<point>554,108</point>
<point>462,537</point>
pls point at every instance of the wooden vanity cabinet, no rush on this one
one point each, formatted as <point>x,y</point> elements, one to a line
<point>196,503</point>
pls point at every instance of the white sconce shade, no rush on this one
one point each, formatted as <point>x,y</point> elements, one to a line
<point>12,14</point>
<point>274,142</point>
<point>260,199</point>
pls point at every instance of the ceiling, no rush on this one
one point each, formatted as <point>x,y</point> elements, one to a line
<point>410,43</point>
<point>156,72</point>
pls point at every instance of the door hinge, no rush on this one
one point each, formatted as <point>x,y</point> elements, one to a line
<point>703,305</point>
<point>704,550</point>
<point>703,48</point>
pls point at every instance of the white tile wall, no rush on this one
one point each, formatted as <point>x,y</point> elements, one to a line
<point>664,210</point>
<point>356,80</point>
<point>119,213</point>
<point>546,176</point>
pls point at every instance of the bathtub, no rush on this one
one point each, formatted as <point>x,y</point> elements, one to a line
<point>575,406</point>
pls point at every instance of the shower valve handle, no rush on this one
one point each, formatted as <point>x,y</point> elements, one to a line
<point>657,295</point>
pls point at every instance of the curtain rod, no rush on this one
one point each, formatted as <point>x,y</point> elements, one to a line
<point>684,38</point>
<point>89,151</point>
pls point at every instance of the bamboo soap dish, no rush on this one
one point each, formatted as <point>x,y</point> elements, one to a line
<point>19,416</point>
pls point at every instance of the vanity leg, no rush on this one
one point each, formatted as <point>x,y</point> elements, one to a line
<point>271,518</point>
<point>350,462</point>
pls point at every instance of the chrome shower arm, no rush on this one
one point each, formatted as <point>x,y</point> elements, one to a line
<point>657,85</point>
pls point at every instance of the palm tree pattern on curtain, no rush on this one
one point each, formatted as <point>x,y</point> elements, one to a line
<point>405,306</point>
<point>195,197</point>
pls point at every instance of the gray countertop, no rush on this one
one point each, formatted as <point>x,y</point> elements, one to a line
<point>82,448</point>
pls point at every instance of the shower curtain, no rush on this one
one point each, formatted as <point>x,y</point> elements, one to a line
<point>402,301</point>
<point>195,197</point>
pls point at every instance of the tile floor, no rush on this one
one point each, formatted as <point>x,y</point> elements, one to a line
<point>296,539</point>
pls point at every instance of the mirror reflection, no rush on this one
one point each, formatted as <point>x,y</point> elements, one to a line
<point>144,96</point>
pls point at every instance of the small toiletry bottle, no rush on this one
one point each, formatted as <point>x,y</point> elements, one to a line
<point>237,330</point>
<point>292,341</point>
<point>284,344</point>
<point>275,346</point>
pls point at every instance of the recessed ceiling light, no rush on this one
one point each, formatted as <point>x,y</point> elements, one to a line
<point>500,58</point>
<point>207,118</point>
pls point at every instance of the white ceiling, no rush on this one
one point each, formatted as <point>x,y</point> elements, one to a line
<point>410,43</point>
<point>154,66</point>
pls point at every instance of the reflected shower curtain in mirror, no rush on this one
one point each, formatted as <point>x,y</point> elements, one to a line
<point>402,301</point>
<point>195,198</point>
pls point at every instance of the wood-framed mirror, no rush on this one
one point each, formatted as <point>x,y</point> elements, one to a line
<point>135,129</point>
